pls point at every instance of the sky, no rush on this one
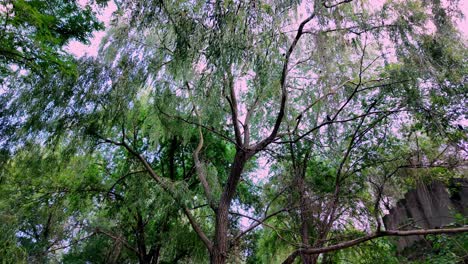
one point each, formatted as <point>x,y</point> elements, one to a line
<point>80,49</point>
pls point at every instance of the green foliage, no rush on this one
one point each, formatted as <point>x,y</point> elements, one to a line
<point>372,108</point>
<point>10,251</point>
<point>380,250</point>
<point>271,247</point>
<point>447,249</point>
<point>34,33</point>
<point>95,250</point>
<point>321,175</point>
<point>37,194</point>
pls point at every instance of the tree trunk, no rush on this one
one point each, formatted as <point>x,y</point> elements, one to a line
<point>219,251</point>
<point>217,257</point>
<point>305,216</point>
<point>140,237</point>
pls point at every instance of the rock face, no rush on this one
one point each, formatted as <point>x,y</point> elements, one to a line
<point>431,206</point>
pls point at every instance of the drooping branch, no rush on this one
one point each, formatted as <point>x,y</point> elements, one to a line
<point>201,172</point>
<point>357,241</point>
<point>284,93</point>
<point>199,166</point>
<point>170,190</point>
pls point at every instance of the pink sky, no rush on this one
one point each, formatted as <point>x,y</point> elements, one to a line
<point>79,49</point>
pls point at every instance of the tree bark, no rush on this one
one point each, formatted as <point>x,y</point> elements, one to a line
<point>305,218</point>
<point>218,254</point>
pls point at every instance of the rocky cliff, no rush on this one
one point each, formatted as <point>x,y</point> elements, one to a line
<point>431,206</point>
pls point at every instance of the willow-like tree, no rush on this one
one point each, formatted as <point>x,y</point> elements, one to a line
<point>327,90</point>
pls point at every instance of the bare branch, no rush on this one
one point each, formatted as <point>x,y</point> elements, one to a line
<point>168,188</point>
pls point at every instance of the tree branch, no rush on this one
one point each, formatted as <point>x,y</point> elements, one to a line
<point>247,121</point>
<point>372,236</point>
<point>232,99</point>
<point>116,238</point>
<point>257,221</point>
<point>284,93</point>
<point>166,187</point>
<point>201,172</point>
<point>337,4</point>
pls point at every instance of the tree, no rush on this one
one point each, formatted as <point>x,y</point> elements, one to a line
<point>325,90</point>
<point>33,35</point>
<point>34,32</point>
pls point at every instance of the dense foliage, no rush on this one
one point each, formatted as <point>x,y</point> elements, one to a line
<point>34,32</point>
<point>227,131</point>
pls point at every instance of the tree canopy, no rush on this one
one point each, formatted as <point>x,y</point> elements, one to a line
<point>34,32</point>
<point>227,131</point>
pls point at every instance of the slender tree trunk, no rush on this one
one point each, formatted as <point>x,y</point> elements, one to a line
<point>305,216</point>
<point>318,244</point>
<point>140,236</point>
<point>219,251</point>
